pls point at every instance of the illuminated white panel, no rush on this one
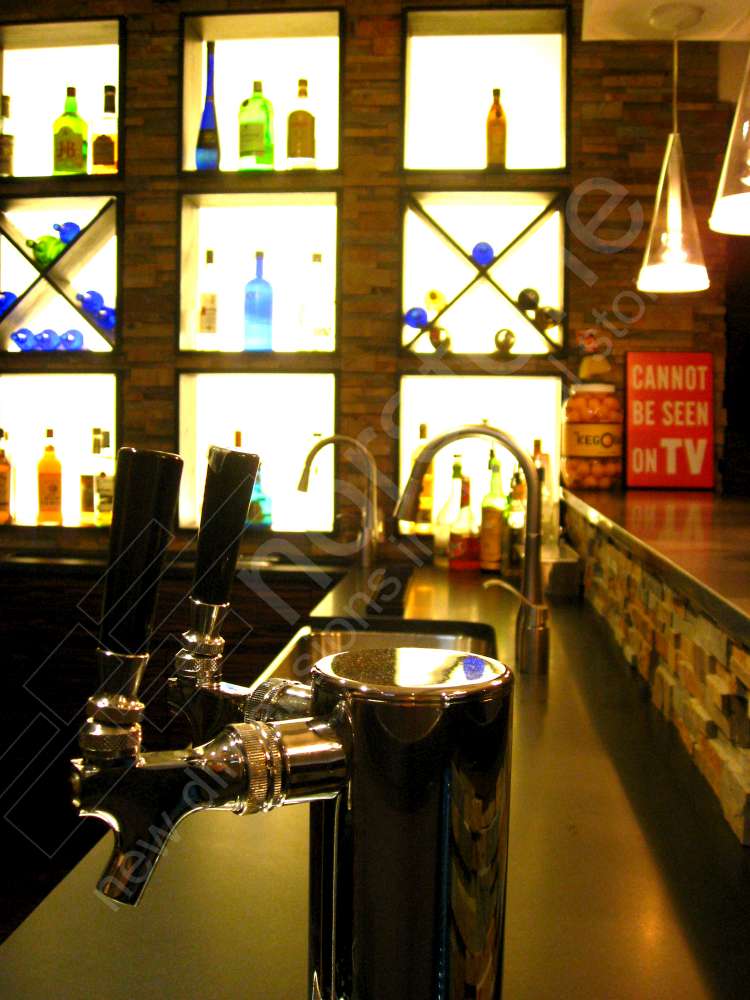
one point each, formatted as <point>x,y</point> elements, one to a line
<point>16,271</point>
<point>288,229</point>
<point>278,50</point>
<point>71,405</point>
<point>36,81</point>
<point>278,416</point>
<point>449,83</point>
<point>525,407</point>
<point>497,218</point>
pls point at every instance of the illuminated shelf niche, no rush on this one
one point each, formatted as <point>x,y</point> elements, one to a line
<point>525,230</point>
<point>278,50</point>
<point>454,59</point>
<point>288,229</point>
<point>46,297</point>
<point>525,407</point>
<point>278,416</point>
<point>72,405</point>
<point>37,63</point>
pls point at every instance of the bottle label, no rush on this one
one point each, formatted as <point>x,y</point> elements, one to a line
<point>490,538</point>
<point>69,150</point>
<point>6,155</point>
<point>87,494</point>
<point>208,138</point>
<point>5,490</point>
<point>592,440</point>
<point>301,135</point>
<point>50,492</point>
<point>105,494</point>
<point>252,139</point>
<point>496,144</point>
<point>208,313</point>
<point>103,151</point>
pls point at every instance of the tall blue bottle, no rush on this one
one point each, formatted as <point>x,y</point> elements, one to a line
<point>207,151</point>
<point>258,309</point>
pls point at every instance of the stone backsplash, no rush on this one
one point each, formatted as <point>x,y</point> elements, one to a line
<point>699,677</point>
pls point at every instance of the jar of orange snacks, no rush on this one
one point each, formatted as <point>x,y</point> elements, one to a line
<point>592,438</point>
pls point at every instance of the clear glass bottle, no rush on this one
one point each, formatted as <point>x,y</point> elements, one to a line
<point>315,308</point>
<point>423,524</point>
<point>448,514</point>
<point>493,521</point>
<point>300,132</point>
<point>258,310</point>
<point>6,482</point>
<point>104,482</point>
<point>70,135</point>
<point>207,315</point>
<point>6,139</point>
<point>208,149</point>
<point>497,128</point>
<point>463,544</point>
<point>256,131</point>
<point>49,483</point>
<point>104,142</point>
<point>90,470</point>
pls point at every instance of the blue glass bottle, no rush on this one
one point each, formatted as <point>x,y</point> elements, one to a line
<point>47,340</point>
<point>71,340</point>
<point>258,310</point>
<point>24,339</point>
<point>106,318</point>
<point>68,231</point>
<point>91,301</point>
<point>207,151</point>
<point>6,301</point>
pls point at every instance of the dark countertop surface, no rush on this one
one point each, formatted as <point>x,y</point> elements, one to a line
<point>625,882</point>
<point>699,542</point>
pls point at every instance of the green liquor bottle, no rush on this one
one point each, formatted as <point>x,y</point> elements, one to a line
<point>256,131</point>
<point>70,134</point>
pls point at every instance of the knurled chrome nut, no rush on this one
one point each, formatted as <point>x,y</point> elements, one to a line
<point>114,710</point>
<point>110,742</point>
<point>265,765</point>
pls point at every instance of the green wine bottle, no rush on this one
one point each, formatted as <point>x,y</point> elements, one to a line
<point>256,131</point>
<point>70,134</point>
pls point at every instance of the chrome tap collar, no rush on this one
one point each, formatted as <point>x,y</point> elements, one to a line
<point>120,673</point>
<point>265,765</point>
<point>278,698</point>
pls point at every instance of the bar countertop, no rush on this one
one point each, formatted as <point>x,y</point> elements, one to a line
<point>625,883</point>
<point>699,542</point>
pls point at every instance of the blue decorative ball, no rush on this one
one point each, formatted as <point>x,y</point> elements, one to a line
<point>106,318</point>
<point>416,317</point>
<point>483,254</point>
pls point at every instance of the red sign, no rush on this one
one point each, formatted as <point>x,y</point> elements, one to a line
<point>670,419</point>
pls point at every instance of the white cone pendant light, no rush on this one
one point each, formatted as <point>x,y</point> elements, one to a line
<point>731,211</point>
<point>673,261</point>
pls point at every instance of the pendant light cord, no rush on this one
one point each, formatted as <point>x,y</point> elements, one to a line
<point>675,72</point>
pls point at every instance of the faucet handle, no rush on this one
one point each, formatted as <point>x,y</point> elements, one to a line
<point>143,515</point>
<point>230,478</point>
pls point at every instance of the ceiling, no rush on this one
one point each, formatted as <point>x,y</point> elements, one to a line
<point>628,20</point>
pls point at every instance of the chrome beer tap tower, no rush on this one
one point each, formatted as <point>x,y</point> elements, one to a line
<point>403,756</point>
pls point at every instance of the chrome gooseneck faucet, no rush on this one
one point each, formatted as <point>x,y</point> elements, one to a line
<point>532,623</point>
<point>372,529</point>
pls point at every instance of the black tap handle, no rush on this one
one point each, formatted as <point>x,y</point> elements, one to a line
<point>229,485</point>
<point>146,488</point>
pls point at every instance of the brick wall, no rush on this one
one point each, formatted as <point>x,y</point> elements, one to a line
<point>620,118</point>
<point>698,676</point>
